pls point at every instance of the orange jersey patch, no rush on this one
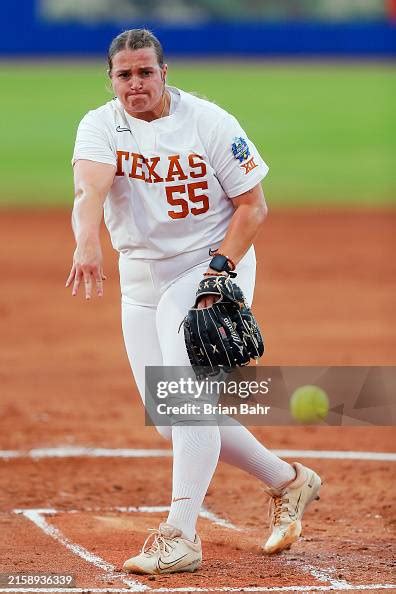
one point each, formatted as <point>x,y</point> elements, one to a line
<point>249,165</point>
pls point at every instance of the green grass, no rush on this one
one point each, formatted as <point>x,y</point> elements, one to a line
<point>328,132</point>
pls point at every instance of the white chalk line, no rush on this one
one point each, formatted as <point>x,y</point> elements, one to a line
<point>215,519</point>
<point>337,455</point>
<point>142,509</point>
<point>154,509</point>
<point>323,576</point>
<point>37,517</point>
<point>199,589</point>
<point>204,513</point>
<point>86,452</point>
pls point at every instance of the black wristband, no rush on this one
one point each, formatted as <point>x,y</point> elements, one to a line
<point>220,263</point>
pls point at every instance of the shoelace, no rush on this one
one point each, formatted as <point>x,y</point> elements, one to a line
<point>159,543</point>
<point>277,506</point>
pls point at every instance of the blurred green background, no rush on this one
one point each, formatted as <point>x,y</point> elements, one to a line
<point>327,130</point>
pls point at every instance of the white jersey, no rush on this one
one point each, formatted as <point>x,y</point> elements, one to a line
<point>176,176</point>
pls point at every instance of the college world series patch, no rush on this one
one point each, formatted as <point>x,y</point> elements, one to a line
<point>240,149</point>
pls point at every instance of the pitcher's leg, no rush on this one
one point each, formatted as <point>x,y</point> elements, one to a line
<point>240,448</point>
<point>142,346</point>
<point>195,455</point>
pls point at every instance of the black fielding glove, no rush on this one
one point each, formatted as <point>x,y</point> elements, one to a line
<point>225,335</point>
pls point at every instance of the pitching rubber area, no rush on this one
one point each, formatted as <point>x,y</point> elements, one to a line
<point>82,478</point>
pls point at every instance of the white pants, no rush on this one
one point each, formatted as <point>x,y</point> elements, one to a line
<point>155,299</point>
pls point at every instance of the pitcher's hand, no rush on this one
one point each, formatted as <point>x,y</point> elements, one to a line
<point>87,266</point>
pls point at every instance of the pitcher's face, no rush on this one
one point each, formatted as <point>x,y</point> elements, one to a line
<point>138,80</point>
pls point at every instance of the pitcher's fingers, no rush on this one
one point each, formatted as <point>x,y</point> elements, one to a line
<point>77,280</point>
<point>99,284</point>
<point>207,301</point>
<point>88,285</point>
<point>71,276</point>
<point>202,303</point>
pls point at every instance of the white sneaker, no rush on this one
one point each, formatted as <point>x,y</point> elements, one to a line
<point>287,508</point>
<point>167,553</point>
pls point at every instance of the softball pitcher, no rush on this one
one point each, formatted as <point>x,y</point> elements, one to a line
<point>176,176</point>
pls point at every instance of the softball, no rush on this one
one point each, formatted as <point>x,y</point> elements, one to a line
<point>309,404</point>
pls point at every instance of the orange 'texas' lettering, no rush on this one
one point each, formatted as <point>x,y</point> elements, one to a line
<point>175,169</point>
<point>249,165</point>
<point>200,164</point>
<point>137,162</point>
<point>120,156</point>
<point>153,176</point>
<point>175,172</point>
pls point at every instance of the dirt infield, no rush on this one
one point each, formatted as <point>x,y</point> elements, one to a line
<point>325,296</point>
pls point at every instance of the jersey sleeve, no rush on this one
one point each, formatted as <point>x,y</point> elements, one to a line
<point>235,159</point>
<point>93,142</point>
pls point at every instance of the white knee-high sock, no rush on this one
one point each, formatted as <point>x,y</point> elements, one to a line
<point>240,448</point>
<point>195,455</point>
